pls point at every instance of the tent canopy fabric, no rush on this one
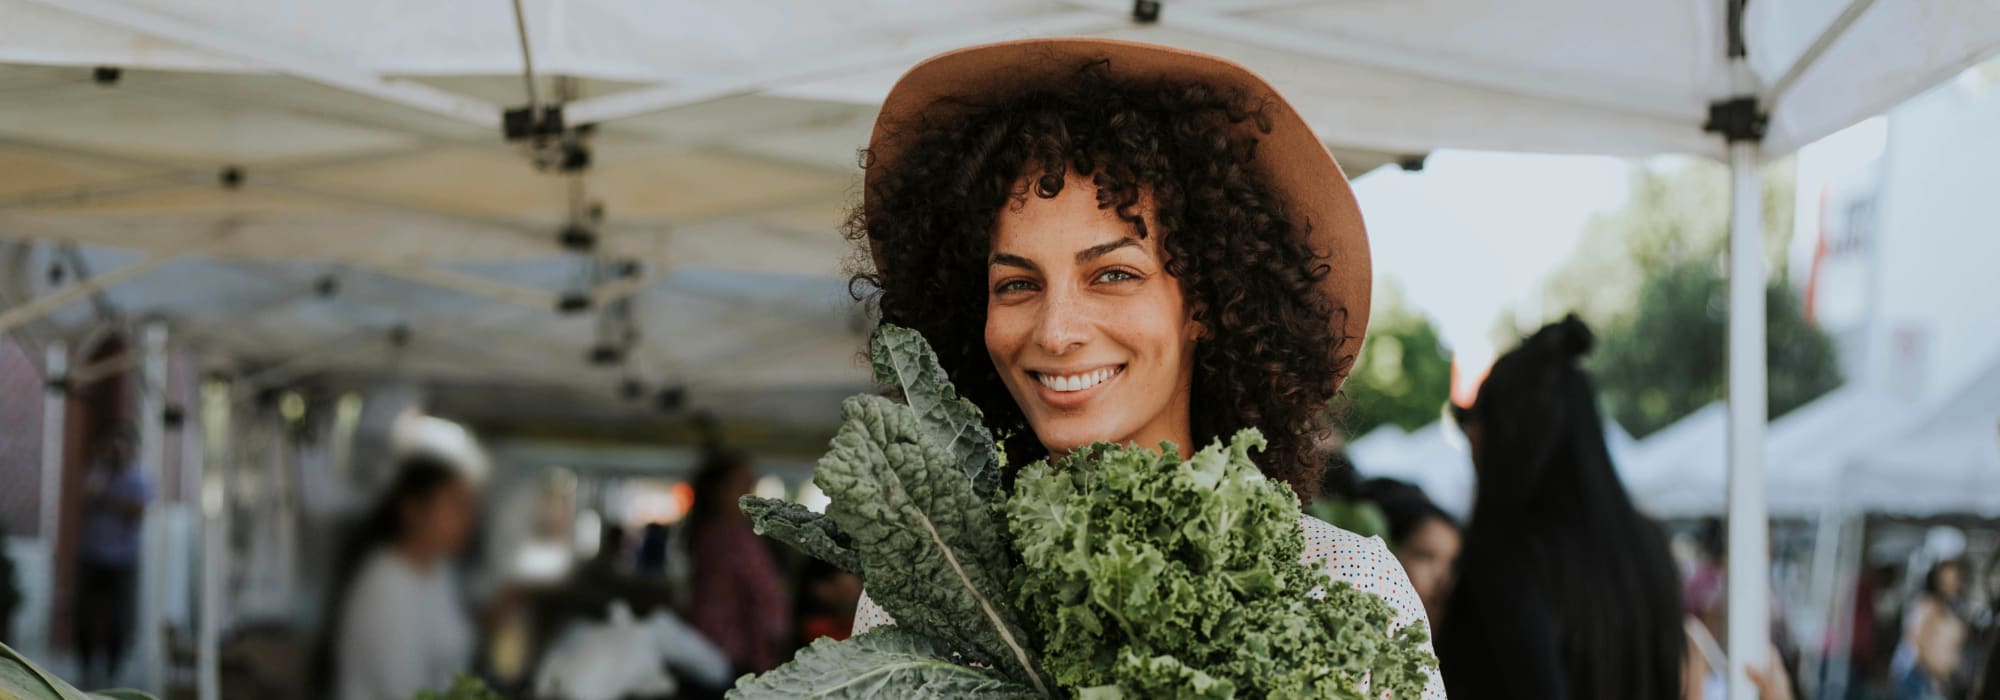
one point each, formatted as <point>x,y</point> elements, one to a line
<point>1437,459</point>
<point>1859,448</point>
<point>265,146</point>
<point>1952,450</point>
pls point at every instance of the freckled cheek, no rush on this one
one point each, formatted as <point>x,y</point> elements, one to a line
<point>1007,331</point>
<point>1153,325</point>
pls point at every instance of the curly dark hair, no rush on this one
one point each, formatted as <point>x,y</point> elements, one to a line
<point>1251,279</point>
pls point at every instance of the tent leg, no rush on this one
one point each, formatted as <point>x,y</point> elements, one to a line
<point>154,530</point>
<point>218,435</point>
<point>1749,569</point>
<point>1825,592</point>
<point>55,406</point>
<point>1839,664</point>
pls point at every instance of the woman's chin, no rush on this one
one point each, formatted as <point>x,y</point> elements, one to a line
<point>1068,435</point>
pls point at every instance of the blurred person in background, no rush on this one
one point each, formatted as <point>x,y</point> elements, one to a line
<point>115,492</point>
<point>1564,590</point>
<point>1934,633</point>
<point>11,595</point>
<point>1704,597</point>
<point>827,599</point>
<point>608,577</point>
<point>607,633</point>
<point>398,622</point>
<point>1423,537</point>
<point>610,559</point>
<point>10,591</point>
<point>1341,504</point>
<point>739,602</point>
<point>653,548</point>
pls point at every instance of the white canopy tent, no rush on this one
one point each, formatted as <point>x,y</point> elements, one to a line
<point>1952,449</point>
<point>1437,459</point>
<point>367,134</point>
<point>1681,470</point>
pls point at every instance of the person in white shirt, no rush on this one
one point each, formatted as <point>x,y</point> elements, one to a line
<point>398,623</point>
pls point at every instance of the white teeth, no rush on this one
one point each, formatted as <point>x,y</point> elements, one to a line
<point>1077,382</point>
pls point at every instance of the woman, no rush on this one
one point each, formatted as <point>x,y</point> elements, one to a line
<point>1564,590</point>
<point>1108,241</point>
<point>398,622</point>
<point>1933,636</point>
<point>1422,535</point>
<point>739,603</point>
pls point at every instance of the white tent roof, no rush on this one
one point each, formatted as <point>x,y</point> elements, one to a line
<point>1953,451</point>
<point>1433,457</point>
<point>1437,459</point>
<point>1683,468</point>
<point>367,133</point>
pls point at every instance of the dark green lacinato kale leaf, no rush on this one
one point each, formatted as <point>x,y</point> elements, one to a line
<point>21,679</point>
<point>909,489</point>
<point>809,532</point>
<point>930,545</point>
<point>886,663</point>
<point>1150,576</point>
<point>903,360</point>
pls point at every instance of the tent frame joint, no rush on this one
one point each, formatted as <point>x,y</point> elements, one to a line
<point>1738,119</point>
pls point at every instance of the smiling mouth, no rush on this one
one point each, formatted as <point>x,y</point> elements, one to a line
<point>1066,383</point>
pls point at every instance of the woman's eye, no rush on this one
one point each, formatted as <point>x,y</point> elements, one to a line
<point>1108,276</point>
<point>1014,286</point>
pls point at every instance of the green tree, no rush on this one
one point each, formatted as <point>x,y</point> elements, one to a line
<point>1404,375</point>
<point>1649,279</point>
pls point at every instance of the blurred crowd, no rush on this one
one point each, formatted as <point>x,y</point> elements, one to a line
<point>674,611</point>
<point>622,624</point>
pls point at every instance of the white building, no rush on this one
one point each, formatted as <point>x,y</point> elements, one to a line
<point>1907,215</point>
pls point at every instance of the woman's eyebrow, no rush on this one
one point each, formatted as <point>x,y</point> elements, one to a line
<point>1012,260</point>
<point>1103,249</point>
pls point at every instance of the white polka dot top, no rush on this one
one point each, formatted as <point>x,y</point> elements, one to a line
<point>1362,561</point>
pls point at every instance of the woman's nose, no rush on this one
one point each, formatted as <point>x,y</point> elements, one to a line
<point>1061,327</point>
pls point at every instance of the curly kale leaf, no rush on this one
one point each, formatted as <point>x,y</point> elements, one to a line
<point>903,360</point>
<point>813,533</point>
<point>892,662</point>
<point>929,544</point>
<point>1152,576</point>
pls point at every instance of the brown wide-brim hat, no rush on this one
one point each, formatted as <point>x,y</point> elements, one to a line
<point>1294,160</point>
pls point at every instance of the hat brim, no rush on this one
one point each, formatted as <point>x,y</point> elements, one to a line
<point>1294,160</point>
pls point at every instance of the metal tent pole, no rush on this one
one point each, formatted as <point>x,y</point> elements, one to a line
<point>155,528</point>
<point>1741,120</point>
<point>1749,569</point>
<point>55,406</point>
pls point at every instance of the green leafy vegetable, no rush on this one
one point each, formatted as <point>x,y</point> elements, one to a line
<point>21,679</point>
<point>463,687</point>
<point>1150,576</point>
<point>1139,574</point>
<point>903,360</point>
<point>886,663</point>
<point>928,543</point>
<point>812,533</point>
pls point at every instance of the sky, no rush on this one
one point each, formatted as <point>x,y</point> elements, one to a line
<point>1476,234</point>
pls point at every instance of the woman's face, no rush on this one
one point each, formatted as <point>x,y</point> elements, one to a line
<point>1949,581</point>
<point>441,523</point>
<point>1427,555</point>
<point>1088,331</point>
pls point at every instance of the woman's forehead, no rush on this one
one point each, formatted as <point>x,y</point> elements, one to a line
<point>1070,222</point>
